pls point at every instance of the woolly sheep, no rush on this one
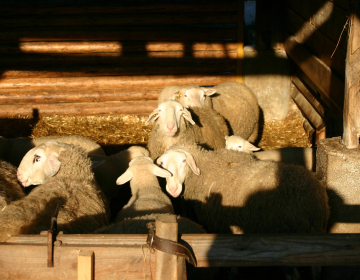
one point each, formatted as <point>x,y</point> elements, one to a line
<point>170,127</point>
<point>291,155</point>
<point>237,193</point>
<point>13,150</point>
<point>234,101</point>
<point>147,196</point>
<point>67,189</point>
<point>10,189</point>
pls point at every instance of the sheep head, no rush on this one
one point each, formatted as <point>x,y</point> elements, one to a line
<point>237,143</point>
<point>193,96</point>
<point>179,162</point>
<point>168,114</point>
<point>40,163</point>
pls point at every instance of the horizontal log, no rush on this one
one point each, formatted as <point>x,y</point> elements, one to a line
<point>116,20</point>
<point>111,47</point>
<point>322,46</point>
<point>177,34</point>
<point>8,97</point>
<point>72,83</point>
<point>115,58</point>
<point>80,109</point>
<point>48,71</point>
<point>317,71</point>
<point>198,6</point>
<point>223,250</point>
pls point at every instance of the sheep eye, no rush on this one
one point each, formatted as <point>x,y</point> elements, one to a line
<point>161,163</point>
<point>36,158</point>
<point>240,147</point>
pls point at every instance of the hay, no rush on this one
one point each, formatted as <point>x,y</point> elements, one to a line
<point>116,133</point>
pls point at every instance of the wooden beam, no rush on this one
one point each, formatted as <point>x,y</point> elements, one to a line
<point>86,265</point>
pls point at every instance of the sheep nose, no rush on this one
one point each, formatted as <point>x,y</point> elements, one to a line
<point>170,126</point>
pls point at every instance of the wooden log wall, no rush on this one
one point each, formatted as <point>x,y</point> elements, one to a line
<point>316,42</point>
<point>111,58</point>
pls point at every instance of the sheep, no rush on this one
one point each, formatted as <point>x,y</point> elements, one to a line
<point>291,155</point>
<point>147,196</point>
<point>13,150</point>
<point>170,127</point>
<point>67,189</point>
<point>235,190</point>
<point>10,189</point>
<point>234,101</point>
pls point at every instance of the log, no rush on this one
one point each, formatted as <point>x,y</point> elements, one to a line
<point>94,83</point>
<point>80,109</point>
<point>240,42</point>
<point>177,34</point>
<point>106,20</point>
<point>111,47</point>
<point>317,72</point>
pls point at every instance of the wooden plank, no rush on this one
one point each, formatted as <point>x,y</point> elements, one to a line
<point>322,46</point>
<point>116,20</point>
<point>86,265</point>
<point>308,95</point>
<point>112,47</point>
<point>80,109</point>
<point>317,71</point>
<point>92,83</point>
<point>124,7</point>
<point>176,34</point>
<point>345,4</point>
<point>240,42</point>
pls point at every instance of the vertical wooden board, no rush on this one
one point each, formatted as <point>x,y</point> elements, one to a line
<point>86,265</point>
<point>240,42</point>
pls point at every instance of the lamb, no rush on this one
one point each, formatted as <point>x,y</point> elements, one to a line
<point>13,150</point>
<point>170,127</point>
<point>234,101</point>
<point>291,155</point>
<point>147,196</point>
<point>10,189</point>
<point>67,189</point>
<point>235,190</point>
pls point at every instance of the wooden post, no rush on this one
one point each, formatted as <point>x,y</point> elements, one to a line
<point>351,115</point>
<point>240,42</point>
<point>168,266</point>
<point>86,265</point>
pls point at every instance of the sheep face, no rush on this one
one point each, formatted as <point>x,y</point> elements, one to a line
<point>178,162</point>
<point>194,97</point>
<point>40,163</point>
<point>239,144</point>
<point>168,114</point>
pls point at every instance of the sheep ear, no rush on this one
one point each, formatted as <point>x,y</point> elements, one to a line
<point>153,116</point>
<point>96,163</point>
<point>191,162</point>
<point>250,147</point>
<point>226,137</point>
<point>187,116</point>
<point>52,165</point>
<point>125,177</point>
<point>163,173</point>
<point>209,92</point>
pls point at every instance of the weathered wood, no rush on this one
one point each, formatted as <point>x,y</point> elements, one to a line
<point>8,97</point>
<point>94,83</point>
<point>308,95</point>
<point>317,71</point>
<point>306,108</point>
<point>112,47</point>
<point>176,34</point>
<point>171,7</point>
<point>322,46</point>
<point>320,133</point>
<point>240,42</point>
<point>309,131</point>
<point>81,108</point>
<point>351,119</point>
<point>114,19</point>
<point>86,265</point>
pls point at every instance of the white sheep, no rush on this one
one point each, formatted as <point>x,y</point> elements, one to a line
<point>147,196</point>
<point>234,101</point>
<point>171,125</point>
<point>10,189</point>
<point>236,193</point>
<point>13,150</point>
<point>67,189</point>
<point>292,155</point>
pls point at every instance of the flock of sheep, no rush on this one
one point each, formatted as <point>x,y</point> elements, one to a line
<point>201,143</point>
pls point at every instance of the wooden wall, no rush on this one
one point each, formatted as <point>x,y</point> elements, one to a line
<point>316,42</point>
<point>110,58</point>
